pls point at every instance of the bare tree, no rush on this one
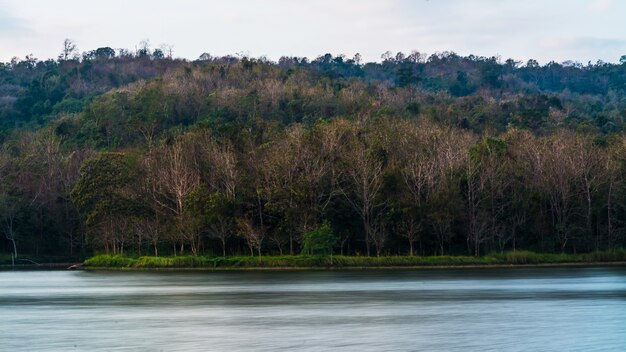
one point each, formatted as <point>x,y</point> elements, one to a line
<point>70,51</point>
<point>429,158</point>
<point>378,236</point>
<point>9,209</point>
<point>441,222</point>
<point>591,163</point>
<point>614,180</point>
<point>172,175</point>
<point>299,176</point>
<point>478,221</point>
<point>409,228</point>
<point>168,50</point>
<point>365,172</point>
<point>557,173</point>
<point>254,235</point>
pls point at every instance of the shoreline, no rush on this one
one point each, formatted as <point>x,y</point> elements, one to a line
<point>365,268</point>
<point>522,259</point>
<point>55,267</point>
<point>42,266</point>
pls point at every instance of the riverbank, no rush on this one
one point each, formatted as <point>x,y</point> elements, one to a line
<point>340,262</point>
<point>43,266</point>
<point>34,262</point>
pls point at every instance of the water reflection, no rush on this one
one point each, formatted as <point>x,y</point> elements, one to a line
<point>547,309</point>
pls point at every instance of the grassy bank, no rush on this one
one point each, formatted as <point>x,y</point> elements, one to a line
<point>510,258</point>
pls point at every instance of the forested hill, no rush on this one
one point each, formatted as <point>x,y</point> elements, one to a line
<point>474,93</point>
<point>137,152</point>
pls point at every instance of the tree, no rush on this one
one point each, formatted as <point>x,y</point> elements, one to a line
<point>364,168</point>
<point>406,72</point>
<point>615,183</point>
<point>105,196</point>
<point>485,184</point>
<point>298,176</point>
<point>70,52</point>
<point>429,158</point>
<point>143,48</point>
<point>321,240</point>
<point>591,163</point>
<point>8,204</point>
<point>253,234</point>
<point>172,175</point>
<point>213,211</point>
<point>478,221</point>
<point>556,170</point>
<point>409,227</point>
<point>280,169</point>
<point>10,211</point>
<point>158,54</point>
<point>442,212</point>
<point>105,53</point>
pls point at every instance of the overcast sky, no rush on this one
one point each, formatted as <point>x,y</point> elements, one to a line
<point>559,30</point>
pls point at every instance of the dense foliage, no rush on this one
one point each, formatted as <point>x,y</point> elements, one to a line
<point>138,152</point>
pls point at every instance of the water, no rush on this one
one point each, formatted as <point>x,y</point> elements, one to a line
<point>541,309</point>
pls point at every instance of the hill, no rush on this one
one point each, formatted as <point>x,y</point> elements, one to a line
<point>135,152</point>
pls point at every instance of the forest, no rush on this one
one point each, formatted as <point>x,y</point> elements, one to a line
<point>137,152</point>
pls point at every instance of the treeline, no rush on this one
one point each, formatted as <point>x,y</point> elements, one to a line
<point>470,92</point>
<point>385,186</point>
<point>137,152</point>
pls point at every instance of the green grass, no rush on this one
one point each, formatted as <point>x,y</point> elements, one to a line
<point>309,261</point>
<point>526,257</point>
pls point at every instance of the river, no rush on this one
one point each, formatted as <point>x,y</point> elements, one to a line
<point>518,309</point>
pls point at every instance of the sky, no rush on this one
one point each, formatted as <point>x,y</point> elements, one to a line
<point>545,30</point>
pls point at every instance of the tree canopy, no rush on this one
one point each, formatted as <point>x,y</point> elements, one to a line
<point>118,151</point>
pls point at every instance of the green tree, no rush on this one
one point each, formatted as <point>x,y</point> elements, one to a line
<point>105,196</point>
<point>214,212</point>
<point>321,240</point>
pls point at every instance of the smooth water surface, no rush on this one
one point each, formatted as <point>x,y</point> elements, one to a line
<point>539,309</point>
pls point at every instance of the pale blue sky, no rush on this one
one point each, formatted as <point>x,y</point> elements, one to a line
<point>579,30</point>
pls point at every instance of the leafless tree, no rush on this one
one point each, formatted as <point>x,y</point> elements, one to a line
<point>365,172</point>
<point>254,235</point>
<point>172,175</point>
<point>478,220</point>
<point>409,228</point>
<point>70,51</point>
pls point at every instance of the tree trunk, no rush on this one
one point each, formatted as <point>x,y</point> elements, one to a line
<point>514,239</point>
<point>366,229</point>
<point>14,254</point>
<point>609,218</point>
